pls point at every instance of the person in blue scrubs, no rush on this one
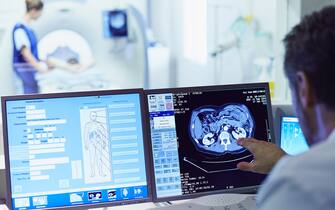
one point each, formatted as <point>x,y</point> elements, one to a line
<point>26,62</point>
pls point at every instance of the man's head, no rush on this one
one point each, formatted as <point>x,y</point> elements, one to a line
<point>34,8</point>
<point>310,67</point>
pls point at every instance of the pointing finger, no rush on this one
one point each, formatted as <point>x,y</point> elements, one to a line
<point>249,144</point>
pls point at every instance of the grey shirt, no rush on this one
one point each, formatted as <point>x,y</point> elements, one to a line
<point>302,182</point>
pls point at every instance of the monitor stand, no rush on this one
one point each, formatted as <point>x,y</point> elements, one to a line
<point>216,202</point>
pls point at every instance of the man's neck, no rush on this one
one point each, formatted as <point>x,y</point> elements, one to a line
<point>27,19</point>
<point>325,122</point>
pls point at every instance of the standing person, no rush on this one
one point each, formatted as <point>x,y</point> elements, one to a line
<point>306,181</point>
<point>26,62</point>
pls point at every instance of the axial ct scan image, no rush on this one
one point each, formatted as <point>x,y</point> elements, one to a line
<point>215,130</point>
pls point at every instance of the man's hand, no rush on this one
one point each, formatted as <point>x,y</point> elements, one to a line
<point>63,65</point>
<point>40,67</point>
<point>43,68</point>
<point>266,155</point>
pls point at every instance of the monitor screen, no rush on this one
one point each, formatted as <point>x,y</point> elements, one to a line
<point>292,140</point>
<point>70,150</point>
<point>194,133</point>
<point>115,23</point>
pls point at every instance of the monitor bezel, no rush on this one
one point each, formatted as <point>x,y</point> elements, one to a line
<point>281,111</point>
<point>145,131</point>
<point>250,189</point>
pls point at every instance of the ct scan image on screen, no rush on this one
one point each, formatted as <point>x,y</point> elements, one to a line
<point>194,138</point>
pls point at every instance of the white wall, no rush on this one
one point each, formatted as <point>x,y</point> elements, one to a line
<point>9,12</point>
<point>264,11</point>
<point>165,20</point>
<point>167,23</point>
<point>139,4</point>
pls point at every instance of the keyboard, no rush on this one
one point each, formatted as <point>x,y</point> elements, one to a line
<point>222,199</point>
<point>216,202</point>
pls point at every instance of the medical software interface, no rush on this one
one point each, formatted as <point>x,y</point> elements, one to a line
<point>76,151</point>
<point>194,138</point>
<point>292,141</point>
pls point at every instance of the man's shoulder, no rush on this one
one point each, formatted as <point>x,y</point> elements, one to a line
<point>310,173</point>
<point>19,31</point>
<point>20,25</point>
<point>318,158</point>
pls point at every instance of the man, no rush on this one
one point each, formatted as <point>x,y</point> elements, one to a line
<point>25,58</point>
<point>306,181</point>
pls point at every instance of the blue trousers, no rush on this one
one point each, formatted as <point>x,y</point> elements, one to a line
<point>30,89</point>
<point>29,82</point>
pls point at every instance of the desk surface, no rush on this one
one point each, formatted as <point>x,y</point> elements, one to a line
<point>142,206</point>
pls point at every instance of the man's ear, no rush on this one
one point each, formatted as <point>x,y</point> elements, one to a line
<point>304,90</point>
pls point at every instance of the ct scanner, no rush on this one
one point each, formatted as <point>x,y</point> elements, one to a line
<point>118,62</point>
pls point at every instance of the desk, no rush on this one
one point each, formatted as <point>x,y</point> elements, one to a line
<point>206,203</point>
<point>142,206</point>
<point>131,207</point>
<point>127,207</point>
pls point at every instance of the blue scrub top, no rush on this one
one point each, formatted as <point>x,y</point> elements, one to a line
<point>23,69</point>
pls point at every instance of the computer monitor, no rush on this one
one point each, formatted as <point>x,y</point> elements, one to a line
<point>292,140</point>
<point>115,23</point>
<point>193,138</point>
<point>75,150</point>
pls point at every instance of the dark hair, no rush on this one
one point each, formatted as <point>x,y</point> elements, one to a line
<point>34,5</point>
<point>310,48</point>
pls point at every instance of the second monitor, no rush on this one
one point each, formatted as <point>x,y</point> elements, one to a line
<point>194,133</point>
<point>292,139</point>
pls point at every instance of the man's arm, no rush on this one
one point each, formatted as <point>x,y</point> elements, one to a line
<point>29,58</point>
<point>266,155</point>
<point>284,193</point>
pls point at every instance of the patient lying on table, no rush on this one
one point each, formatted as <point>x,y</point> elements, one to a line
<point>66,59</point>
